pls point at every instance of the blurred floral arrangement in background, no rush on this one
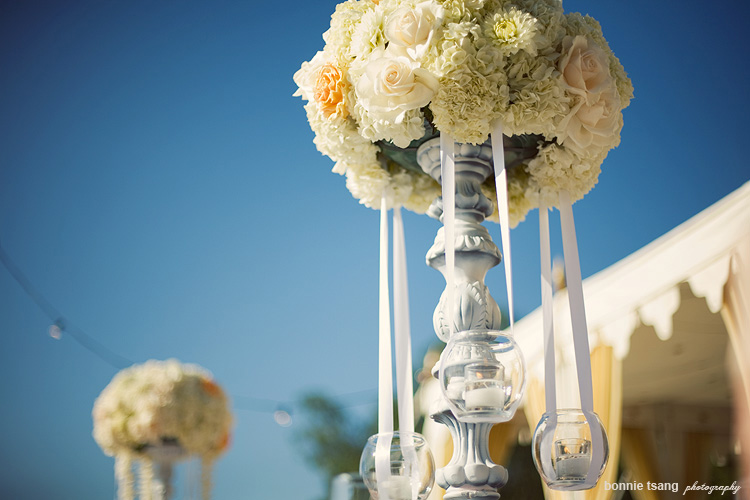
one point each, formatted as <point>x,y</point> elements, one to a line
<point>156,406</point>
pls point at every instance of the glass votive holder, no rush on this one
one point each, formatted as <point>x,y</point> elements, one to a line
<point>482,376</point>
<point>410,470</point>
<point>564,448</point>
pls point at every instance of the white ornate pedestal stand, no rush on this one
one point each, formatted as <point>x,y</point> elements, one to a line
<point>470,474</point>
<point>163,458</point>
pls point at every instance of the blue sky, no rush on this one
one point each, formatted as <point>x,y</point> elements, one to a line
<point>159,185</point>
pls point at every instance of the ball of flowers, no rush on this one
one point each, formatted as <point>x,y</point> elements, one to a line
<point>157,406</point>
<point>395,73</point>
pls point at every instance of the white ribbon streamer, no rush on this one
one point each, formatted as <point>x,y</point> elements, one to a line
<point>580,335</point>
<point>548,327</point>
<point>402,331</point>
<point>550,387</point>
<point>448,180</point>
<point>577,307</point>
<point>501,186</point>
<point>385,375</point>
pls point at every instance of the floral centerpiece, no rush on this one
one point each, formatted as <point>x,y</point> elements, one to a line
<point>395,73</point>
<point>161,408</point>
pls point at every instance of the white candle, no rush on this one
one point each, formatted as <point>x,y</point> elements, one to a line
<point>397,488</point>
<point>484,397</point>
<point>572,466</point>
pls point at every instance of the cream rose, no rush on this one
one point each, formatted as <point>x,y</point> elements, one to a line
<point>584,67</point>
<point>392,85</point>
<point>594,118</point>
<point>593,122</point>
<point>306,76</point>
<point>411,29</point>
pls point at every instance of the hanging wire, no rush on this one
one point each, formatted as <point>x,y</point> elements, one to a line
<point>60,323</point>
<point>282,410</point>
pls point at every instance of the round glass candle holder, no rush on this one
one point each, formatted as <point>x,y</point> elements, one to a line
<point>410,473</point>
<point>482,376</point>
<point>563,449</point>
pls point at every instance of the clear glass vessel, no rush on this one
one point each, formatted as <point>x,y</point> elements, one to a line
<point>563,449</point>
<point>482,375</point>
<point>408,471</point>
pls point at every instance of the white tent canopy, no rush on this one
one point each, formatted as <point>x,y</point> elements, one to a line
<point>647,288</point>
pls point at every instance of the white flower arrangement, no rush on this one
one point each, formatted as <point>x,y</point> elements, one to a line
<point>394,73</point>
<point>161,405</point>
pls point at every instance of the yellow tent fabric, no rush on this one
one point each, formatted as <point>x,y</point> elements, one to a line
<point>637,458</point>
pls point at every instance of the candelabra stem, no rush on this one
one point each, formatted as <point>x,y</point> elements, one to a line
<point>470,474</point>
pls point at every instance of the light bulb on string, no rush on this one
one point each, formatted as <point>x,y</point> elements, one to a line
<point>55,330</point>
<point>282,417</point>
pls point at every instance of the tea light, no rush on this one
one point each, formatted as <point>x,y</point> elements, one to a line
<point>484,398</point>
<point>397,488</point>
<point>573,458</point>
<point>484,388</point>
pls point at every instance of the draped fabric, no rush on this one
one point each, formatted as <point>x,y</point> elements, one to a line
<point>503,439</point>
<point>736,314</point>
<point>606,370</point>
<point>638,462</point>
<point>698,447</point>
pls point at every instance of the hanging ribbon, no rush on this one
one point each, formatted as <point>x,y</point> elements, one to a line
<point>385,376</point>
<point>550,389</point>
<point>448,181</point>
<point>402,332</point>
<point>547,314</point>
<point>404,384</point>
<point>501,186</point>
<point>575,298</point>
<point>580,334</point>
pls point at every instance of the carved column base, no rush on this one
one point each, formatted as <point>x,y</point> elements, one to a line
<point>470,474</point>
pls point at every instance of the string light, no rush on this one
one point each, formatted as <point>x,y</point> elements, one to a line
<point>283,418</point>
<point>281,410</point>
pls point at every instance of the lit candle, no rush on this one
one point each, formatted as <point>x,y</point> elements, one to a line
<point>573,458</point>
<point>484,388</point>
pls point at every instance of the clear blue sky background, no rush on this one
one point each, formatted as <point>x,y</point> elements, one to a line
<point>159,185</point>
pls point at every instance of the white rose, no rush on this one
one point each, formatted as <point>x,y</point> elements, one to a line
<point>593,122</point>
<point>585,68</point>
<point>306,77</point>
<point>594,118</point>
<point>392,85</point>
<point>411,29</point>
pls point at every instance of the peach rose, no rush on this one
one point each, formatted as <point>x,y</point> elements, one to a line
<point>329,91</point>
